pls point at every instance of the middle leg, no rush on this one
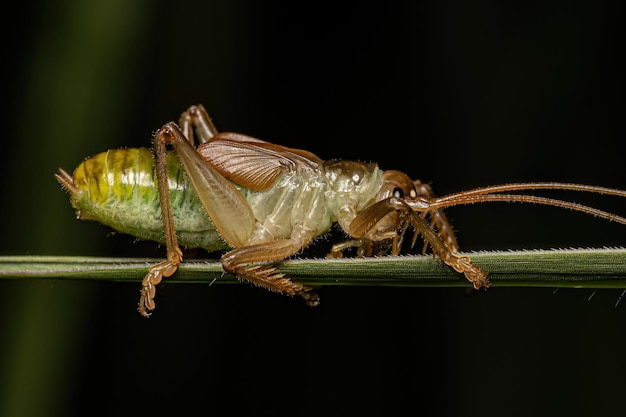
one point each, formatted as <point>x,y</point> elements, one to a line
<point>253,263</point>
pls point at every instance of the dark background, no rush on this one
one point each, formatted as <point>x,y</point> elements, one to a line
<point>457,94</point>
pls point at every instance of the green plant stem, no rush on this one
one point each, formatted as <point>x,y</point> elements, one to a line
<point>575,268</point>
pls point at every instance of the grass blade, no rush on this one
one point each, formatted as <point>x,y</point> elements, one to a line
<point>574,268</point>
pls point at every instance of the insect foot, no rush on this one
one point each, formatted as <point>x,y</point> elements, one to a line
<point>463,264</point>
<point>308,294</point>
<point>148,286</point>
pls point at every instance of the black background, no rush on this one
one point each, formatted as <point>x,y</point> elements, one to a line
<point>457,94</point>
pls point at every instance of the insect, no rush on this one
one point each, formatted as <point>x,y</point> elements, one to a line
<point>261,203</point>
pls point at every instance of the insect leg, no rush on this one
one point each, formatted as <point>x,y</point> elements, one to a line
<point>224,204</point>
<point>450,257</point>
<point>364,248</point>
<point>364,225</point>
<point>174,254</point>
<point>437,218</point>
<point>196,118</point>
<point>244,263</point>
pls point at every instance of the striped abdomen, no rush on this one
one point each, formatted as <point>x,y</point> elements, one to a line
<point>118,188</point>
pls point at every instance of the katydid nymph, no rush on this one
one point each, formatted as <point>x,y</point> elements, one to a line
<point>261,203</point>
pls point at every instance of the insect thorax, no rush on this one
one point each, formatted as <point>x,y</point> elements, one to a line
<point>352,187</point>
<point>312,199</point>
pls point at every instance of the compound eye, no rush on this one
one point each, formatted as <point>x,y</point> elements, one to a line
<point>398,192</point>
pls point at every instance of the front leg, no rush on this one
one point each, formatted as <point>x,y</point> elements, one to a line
<point>365,222</point>
<point>438,219</point>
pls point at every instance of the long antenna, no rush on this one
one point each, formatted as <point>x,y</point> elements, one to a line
<point>490,194</point>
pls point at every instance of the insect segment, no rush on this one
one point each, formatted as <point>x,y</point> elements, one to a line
<point>264,202</point>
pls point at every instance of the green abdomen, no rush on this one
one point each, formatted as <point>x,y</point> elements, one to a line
<point>118,188</point>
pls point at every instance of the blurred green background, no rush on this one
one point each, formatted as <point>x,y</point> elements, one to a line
<point>458,94</point>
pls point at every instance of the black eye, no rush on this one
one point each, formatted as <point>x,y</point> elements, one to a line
<point>398,193</point>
